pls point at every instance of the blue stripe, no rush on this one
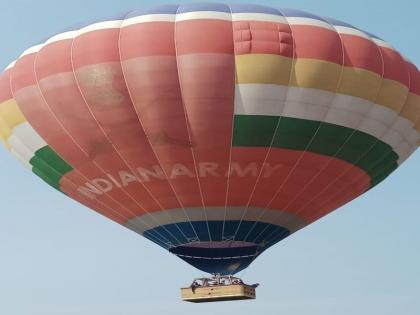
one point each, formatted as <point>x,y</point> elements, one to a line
<point>78,26</point>
<point>192,7</point>
<point>338,22</point>
<point>253,8</point>
<point>299,13</point>
<point>341,23</point>
<point>183,232</point>
<point>222,260</point>
<point>373,36</point>
<point>161,9</point>
<point>120,16</point>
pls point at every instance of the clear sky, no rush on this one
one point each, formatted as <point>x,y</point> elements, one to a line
<point>59,258</point>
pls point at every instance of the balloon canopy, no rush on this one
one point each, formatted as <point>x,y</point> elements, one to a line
<point>213,130</point>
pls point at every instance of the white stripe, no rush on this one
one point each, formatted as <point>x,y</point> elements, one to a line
<point>382,43</point>
<point>28,136</point>
<point>351,31</point>
<point>93,27</point>
<point>405,156</point>
<point>21,159</point>
<point>312,104</point>
<point>32,50</point>
<point>100,26</point>
<point>149,18</point>
<point>259,17</point>
<point>348,111</point>
<point>307,103</point>
<point>403,126</point>
<point>10,65</point>
<point>408,60</point>
<point>61,36</point>
<point>403,149</point>
<point>254,98</point>
<point>393,138</point>
<point>413,136</point>
<point>275,217</point>
<point>199,15</point>
<point>20,148</point>
<point>309,21</point>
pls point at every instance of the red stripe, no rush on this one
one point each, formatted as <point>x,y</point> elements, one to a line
<point>23,74</point>
<point>307,179</point>
<point>298,180</point>
<point>5,90</point>
<point>207,79</point>
<point>414,79</point>
<point>104,89</point>
<point>395,67</point>
<point>317,43</point>
<point>157,97</point>
<point>96,47</point>
<point>204,36</point>
<point>361,53</point>
<point>54,58</point>
<point>254,37</point>
<point>148,39</point>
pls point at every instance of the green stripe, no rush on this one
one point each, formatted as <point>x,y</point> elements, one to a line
<point>49,166</point>
<point>375,157</point>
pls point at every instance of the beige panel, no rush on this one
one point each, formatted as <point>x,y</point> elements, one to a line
<point>392,95</point>
<point>10,117</point>
<point>411,109</point>
<point>260,68</point>
<point>360,83</point>
<point>315,74</point>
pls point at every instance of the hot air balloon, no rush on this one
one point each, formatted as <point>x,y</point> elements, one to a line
<point>213,130</point>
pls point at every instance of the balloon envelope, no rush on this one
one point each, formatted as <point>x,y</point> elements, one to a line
<point>213,130</point>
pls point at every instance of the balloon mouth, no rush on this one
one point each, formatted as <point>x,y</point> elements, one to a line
<point>220,244</point>
<point>223,257</point>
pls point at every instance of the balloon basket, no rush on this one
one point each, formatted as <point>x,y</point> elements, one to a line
<point>218,288</point>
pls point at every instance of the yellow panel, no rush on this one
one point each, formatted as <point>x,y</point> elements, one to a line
<point>260,68</point>
<point>11,113</point>
<point>4,133</point>
<point>8,147</point>
<point>11,116</point>
<point>5,130</point>
<point>392,95</point>
<point>360,83</point>
<point>315,74</point>
<point>411,109</point>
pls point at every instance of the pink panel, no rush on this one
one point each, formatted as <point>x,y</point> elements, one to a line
<point>102,83</point>
<point>207,78</point>
<point>317,43</point>
<point>396,67</point>
<point>59,90</point>
<point>150,69</point>
<point>361,53</point>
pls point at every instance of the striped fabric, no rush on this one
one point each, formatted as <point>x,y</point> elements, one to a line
<point>213,130</point>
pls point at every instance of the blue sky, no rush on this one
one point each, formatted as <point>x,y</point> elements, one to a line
<point>59,258</point>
